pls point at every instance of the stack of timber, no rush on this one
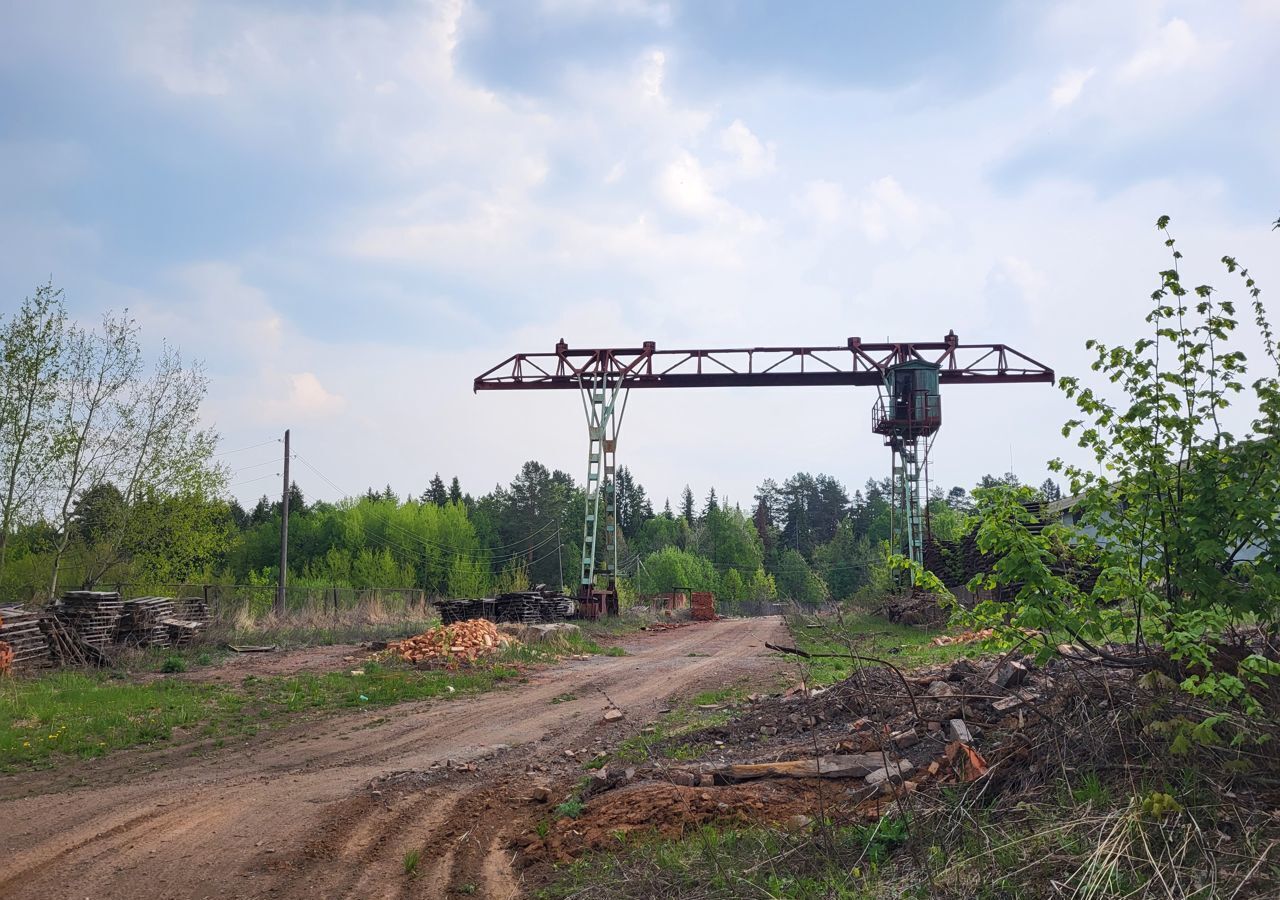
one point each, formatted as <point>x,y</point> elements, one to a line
<point>191,609</point>
<point>143,622</point>
<point>525,607</point>
<point>703,606</point>
<point>466,641</point>
<point>20,630</point>
<point>190,617</point>
<point>68,648</point>
<point>93,615</point>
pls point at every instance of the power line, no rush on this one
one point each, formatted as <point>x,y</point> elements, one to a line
<point>257,465</point>
<point>250,447</point>
<point>259,478</point>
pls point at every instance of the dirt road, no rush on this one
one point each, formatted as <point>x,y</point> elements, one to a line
<point>329,808</point>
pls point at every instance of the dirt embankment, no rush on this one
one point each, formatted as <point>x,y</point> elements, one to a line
<point>330,808</point>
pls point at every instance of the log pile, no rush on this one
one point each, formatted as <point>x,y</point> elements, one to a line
<point>20,631</point>
<point>94,615</point>
<point>465,641</point>
<point>143,622</point>
<point>6,658</point>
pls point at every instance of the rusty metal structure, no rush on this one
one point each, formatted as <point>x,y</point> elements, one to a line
<point>907,375</point>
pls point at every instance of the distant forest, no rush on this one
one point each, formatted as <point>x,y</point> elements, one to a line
<point>107,477</point>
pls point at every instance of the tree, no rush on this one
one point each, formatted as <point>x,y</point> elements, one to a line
<point>455,490</point>
<point>98,370</point>
<point>796,581</point>
<point>1050,491</point>
<point>31,346</point>
<point>672,569</point>
<point>844,562</point>
<point>1183,514</point>
<point>436,492</point>
<point>686,505</point>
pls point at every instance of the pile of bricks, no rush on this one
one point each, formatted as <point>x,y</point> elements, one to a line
<point>703,606</point>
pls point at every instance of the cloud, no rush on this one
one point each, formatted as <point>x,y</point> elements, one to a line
<point>752,158</point>
<point>886,211</point>
<point>309,399</point>
<point>427,220</point>
<point>1173,47</point>
<point>1068,87</point>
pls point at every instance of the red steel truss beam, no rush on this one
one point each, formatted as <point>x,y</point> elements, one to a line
<point>855,363</point>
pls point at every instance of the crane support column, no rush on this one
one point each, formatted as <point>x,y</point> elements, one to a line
<point>604,400</point>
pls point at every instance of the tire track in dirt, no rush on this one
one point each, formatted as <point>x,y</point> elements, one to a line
<point>286,815</point>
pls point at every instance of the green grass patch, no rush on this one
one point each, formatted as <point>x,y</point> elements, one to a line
<point>737,862</point>
<point>686,718</point>
<point>77,715</point>
<point>858,631</point>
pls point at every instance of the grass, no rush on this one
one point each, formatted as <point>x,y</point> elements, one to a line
<point>410,862</point>
<point>736,862</point>
<point>77,715</point>
<point>686,718</point>
<point>871,635</point>
<point>570,809</point>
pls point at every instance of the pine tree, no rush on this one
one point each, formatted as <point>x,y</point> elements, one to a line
<point>436,493</point>
<point>686,505</point>
<point>455,490</point>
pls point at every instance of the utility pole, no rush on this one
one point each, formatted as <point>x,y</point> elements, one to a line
<point>284,531</point>
<point>560,558</point>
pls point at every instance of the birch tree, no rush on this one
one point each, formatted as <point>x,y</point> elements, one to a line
<point>31,345</point>
<point>98,371</point>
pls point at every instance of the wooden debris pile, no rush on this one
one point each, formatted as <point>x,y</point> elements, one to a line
<point>68,647</point>
<point>964,637</point>
<point>466,641</point>
<point>20,632</point>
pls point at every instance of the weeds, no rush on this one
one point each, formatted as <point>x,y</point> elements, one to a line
<point>570,809</point>
<point>410,862</point>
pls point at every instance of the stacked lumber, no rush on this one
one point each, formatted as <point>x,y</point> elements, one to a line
<point>68,647</point>
<point>143,621</point>
<point>191,609</point>
<point>525,607</point>
<point>182,632</point>
<point>467,641</point>
<point>703,606</point>
<point>6,658</point>
<point>93,615</point>
<point>20,631</point>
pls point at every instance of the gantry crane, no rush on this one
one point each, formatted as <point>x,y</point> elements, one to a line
<point>908,412</point>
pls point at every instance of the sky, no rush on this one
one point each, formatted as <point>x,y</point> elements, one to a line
<point>349,210</point>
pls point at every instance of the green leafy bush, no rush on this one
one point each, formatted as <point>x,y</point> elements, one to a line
<point>1176,511</point>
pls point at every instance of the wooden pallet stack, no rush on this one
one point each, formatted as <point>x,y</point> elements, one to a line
<point>191,609</point>
<point>93,615</point>
<point>144,622</point>
<point>20,629</point>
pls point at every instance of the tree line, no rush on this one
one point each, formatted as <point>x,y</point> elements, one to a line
<point>108,477</point>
